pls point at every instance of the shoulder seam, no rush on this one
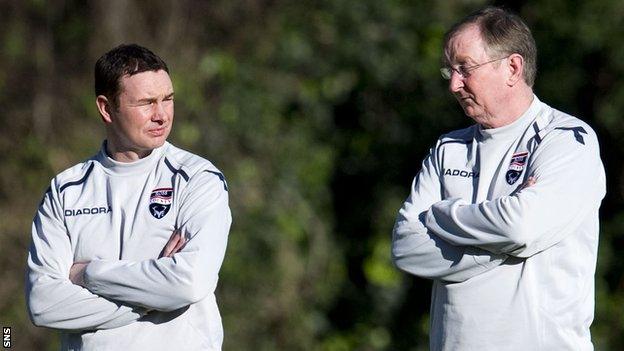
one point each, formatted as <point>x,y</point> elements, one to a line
<point>465,142</point>
<point>79,181</point>
<point>537,130</point>
<point>221,177</point>
<point>577,132</point>
<point>176,171</point>
<point>47,192</point>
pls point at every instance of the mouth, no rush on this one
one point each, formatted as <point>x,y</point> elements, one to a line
<point>464,99</point>
<point>157,132</point>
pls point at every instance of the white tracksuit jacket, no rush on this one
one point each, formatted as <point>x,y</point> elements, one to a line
<point>512,268</point>
<point>119,216</point>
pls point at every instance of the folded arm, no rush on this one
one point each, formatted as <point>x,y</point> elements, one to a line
<point>569,185</point>
<point>418,251</point>
<point>169,283</point>
<point>52,300</point>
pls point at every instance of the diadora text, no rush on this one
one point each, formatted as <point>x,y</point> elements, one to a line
<point>88,211</point>
<point>460,173</point>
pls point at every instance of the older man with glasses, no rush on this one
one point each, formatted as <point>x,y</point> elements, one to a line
<point>503,215</point>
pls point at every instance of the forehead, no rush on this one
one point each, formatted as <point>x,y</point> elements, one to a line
<point>466,45</point>
<point>147,83</point>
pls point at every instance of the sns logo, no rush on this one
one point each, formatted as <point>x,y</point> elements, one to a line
<point>516,166</point>
<point>6,337</point>
<point>160,202</point>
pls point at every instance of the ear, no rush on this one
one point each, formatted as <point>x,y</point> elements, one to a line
<point>105,108</point>
<point>516,69</point>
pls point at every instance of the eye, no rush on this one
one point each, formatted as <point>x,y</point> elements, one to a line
<point>462,70</point>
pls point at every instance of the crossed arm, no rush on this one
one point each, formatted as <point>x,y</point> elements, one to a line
<point>113,293</point>
<point>418,251</point>
<point>52,300</point>
<point>453,240</point>
<point>569,185</point>
<point>174,245</point>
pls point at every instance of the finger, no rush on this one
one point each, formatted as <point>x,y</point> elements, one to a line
<point>179,245</point>
<point>76,273</point>
<point>529,182</point>
<point>171,244</point>
<point>169,249</point>
<point>173,240</point>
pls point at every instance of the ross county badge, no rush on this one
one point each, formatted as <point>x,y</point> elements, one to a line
<point>516,166</point>
<point>160,202</point>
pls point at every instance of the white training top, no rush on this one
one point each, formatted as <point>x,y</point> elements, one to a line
<point>119,216</point>
<point>513,268</point>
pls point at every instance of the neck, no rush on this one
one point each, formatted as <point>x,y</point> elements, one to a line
<point>514,107</point>
<point>124,154</point>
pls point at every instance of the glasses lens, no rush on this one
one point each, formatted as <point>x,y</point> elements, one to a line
<point>446,72</point>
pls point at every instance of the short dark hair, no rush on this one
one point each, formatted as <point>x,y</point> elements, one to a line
<point>504,33</point>
<point>125,59</point>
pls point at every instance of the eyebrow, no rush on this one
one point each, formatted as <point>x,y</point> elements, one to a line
<point>168,96</point>
<point>462,61</point>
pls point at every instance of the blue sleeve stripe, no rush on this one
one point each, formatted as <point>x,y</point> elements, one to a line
<point>578,133</point>
<point>175,171</point>
<point>465,142</point>
<point>220,175</point>
<point>47,192</point>
<point>538,138</point>
<point>80,181</point>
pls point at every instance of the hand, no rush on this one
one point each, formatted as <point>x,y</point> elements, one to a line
<point>529,182</point>
<point>175,244</point>
<point>76,273</point>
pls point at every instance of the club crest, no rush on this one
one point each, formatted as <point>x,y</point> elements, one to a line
<point>160,202</point>
<point>516,166</point>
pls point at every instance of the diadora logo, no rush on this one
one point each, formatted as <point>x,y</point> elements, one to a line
<point>160,202</point>
<point>88,211</point>
<point>460,173</point>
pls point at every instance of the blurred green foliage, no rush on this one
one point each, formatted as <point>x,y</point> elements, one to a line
<point>318,113</point>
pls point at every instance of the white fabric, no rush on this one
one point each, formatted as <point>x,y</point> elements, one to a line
<point>99,211</point>
<point>513,268</point>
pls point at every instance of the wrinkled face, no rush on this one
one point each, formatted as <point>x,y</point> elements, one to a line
<point>144,114</point>
<point>482,93</point>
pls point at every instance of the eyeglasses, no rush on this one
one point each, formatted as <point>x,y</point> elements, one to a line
<point>462,70</point>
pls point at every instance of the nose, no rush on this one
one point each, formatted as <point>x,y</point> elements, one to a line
<point>159,114</point>
<point>456,82</point>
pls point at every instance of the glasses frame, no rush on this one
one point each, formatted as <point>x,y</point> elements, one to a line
<point>463,71</point>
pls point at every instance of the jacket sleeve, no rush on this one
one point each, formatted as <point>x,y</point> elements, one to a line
<point>570,183</point>
<point>169,283</point>
<point>418,251</point>
<point>52,299</point>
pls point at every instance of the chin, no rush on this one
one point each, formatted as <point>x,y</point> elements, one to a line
<point>158,143</point>
<point>470,113</point>
<point>152,143</point>
<point>473,114</point>
<point>157,140</point>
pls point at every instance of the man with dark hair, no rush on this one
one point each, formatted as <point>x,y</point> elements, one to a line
<point>123,60</point>
<point>503,215</point>
<point>127,246</point>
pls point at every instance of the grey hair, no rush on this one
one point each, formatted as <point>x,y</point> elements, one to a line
<point>504,33</point>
